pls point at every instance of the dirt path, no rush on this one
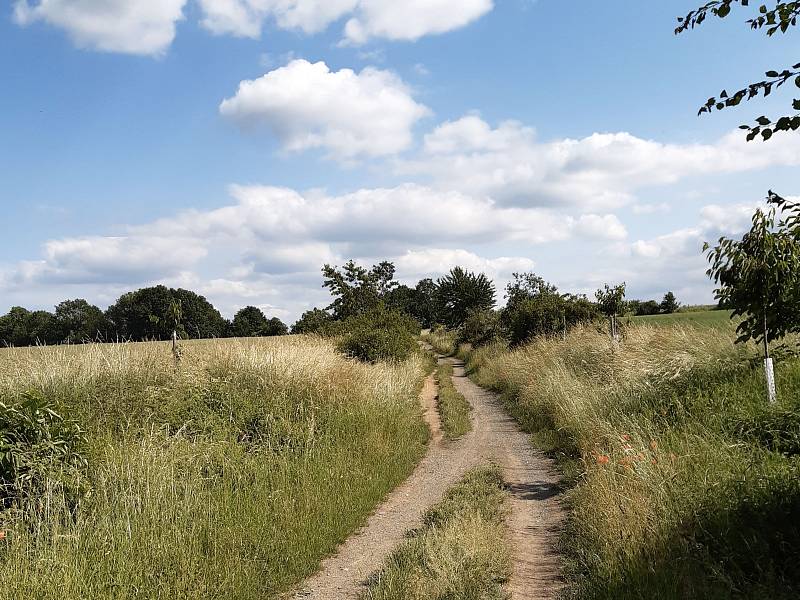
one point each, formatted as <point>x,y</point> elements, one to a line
<point>535,511</point>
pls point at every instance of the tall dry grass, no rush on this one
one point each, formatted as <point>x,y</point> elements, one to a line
<point>230,477</point>
<point>686,481</point>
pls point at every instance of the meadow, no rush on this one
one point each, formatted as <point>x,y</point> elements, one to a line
<point>683,481</point>
<point>228,477</point>
<point>700,318</point>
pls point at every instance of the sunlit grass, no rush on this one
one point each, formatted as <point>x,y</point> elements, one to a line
<point>230,477</point>
<point>687,481</point>
<point>454,409</point>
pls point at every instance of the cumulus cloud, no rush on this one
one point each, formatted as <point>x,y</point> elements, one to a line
<point>269,243</point>
<point>349,114</point>
<point>599,172</point>
<point>408,20</point>
<point>411,19</point>
<point>123,259</point>
<point>432,262</point>
<point>129,26</point>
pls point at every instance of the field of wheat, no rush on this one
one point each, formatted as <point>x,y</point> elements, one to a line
<point>228,476</point>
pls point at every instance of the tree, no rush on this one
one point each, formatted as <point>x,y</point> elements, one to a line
<point>771,21</point>
<point>143,314</point>
<point>14,327</point>
<point>275,327</point>
<point>611,302</point>
<point>536,307</point>
<point>419,301</point>
<point>460,293</point>
<point>424,309</point>
<point>669,304</point>
<point>249,322</point>
<point>199,319</point>
<point>644,307</point>
<point>77,321</point>
<point>356,289</point>
<point>312,321</point>
<point>21,327</point>
<point>759,275</point>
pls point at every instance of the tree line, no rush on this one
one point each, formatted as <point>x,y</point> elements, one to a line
<point>153,313</point>
<point>150,313</point>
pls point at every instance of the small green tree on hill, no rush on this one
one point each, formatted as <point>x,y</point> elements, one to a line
<point>759,275</point>
<point>669,304</point>
<point>460,293</point>
<point>611,302</point>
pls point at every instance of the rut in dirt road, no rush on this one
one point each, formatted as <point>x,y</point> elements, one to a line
<point>535,517</point>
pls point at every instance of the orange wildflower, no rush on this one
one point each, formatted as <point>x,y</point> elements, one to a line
<point>654,445</point>
<point>602,459</point>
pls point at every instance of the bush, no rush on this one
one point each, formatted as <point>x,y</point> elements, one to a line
<point>481,328</point>
<point>39,448</point>
<point>380,334</point>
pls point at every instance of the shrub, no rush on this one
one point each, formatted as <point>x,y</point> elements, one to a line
<point>380,334</point>
<point>39,448</point>
<point>481,328</point>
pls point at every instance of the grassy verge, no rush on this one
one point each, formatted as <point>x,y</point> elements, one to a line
<point>230,478</point>
<point>454,410</point>
<point>443,341</point>
<point>459,552</point>
<point>688,483</point>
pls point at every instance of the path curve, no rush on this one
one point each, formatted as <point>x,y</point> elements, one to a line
<point>535,518</point>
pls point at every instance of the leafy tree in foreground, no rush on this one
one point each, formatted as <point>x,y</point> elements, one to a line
<point>778,19</point>
<point>669,304</point>
<point>759,275</point>
<point>460,293</point>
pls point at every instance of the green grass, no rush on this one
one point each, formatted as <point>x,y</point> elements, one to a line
<point>230,478</point>
<point>702,318</point>
<point>688,482</point>
<point>443,341</point>
<point>454,410</point>
<point>460,552</point>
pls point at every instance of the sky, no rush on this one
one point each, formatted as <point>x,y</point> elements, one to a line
<point>233,147</point>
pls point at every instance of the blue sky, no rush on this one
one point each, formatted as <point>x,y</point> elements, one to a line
<point>504,136</point>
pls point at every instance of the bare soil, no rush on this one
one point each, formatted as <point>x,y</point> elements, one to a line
<point>536,513</point>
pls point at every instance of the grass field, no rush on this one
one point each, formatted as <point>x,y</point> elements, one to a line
<point>229,478</point>
<point>701,318</point>
<point>460,552</point>
<point>686,483</point>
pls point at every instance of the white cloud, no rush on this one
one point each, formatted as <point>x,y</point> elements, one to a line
<point>268,245</point>
<point>245,18</point>
<point>307,105</point>
<point>433,262</point>
<point>599,172</point>
<point>411,19</point>
<point>601,226</point>
<point>124,259</point>
<point>389,19</point>
<point>129,26</point>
